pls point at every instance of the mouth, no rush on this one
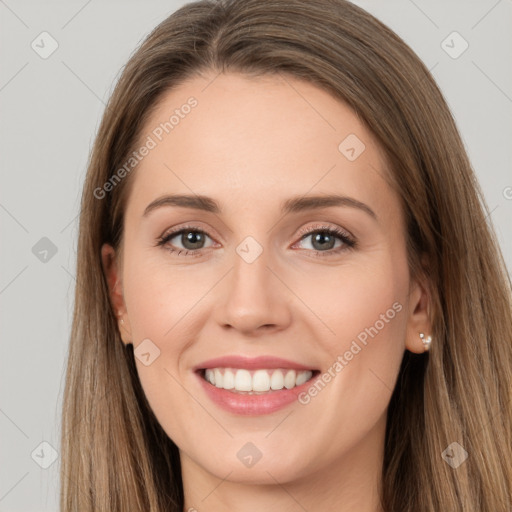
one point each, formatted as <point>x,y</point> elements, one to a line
<point>256,381</point>
<point>253,386</point>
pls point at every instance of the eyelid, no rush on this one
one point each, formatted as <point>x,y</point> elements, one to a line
<point>182,227</point>
<point>324,227</point>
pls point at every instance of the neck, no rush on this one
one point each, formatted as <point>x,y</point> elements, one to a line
<point>352,482</point>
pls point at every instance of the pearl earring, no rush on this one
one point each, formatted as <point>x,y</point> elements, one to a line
<point>427,340</point>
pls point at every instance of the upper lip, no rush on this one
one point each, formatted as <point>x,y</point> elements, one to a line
<point>251,363</point>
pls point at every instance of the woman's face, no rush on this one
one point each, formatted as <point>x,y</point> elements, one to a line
<point>291,265</point>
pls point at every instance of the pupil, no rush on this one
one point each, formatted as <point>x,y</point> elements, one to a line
<point>194,238</point>
<point>322,238</point>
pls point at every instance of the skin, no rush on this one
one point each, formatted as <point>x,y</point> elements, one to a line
<point>251,144</point>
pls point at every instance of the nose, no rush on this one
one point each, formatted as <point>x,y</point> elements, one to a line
<point>252,299</point>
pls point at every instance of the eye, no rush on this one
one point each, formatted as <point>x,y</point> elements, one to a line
<point>191,238</point>
<point>324,240</point>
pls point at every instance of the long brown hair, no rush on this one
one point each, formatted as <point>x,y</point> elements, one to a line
<point>115,455</point>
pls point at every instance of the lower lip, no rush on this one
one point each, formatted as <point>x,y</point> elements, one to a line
<point>253,405</point>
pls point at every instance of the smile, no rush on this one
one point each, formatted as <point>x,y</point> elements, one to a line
<point>253,386</point>
<point>256,381</point>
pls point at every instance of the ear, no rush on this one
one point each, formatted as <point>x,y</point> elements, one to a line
<point>113,275</point>
<point>419,321</point>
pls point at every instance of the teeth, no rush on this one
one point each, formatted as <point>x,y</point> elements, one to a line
<point>261,381</point>
<point>218,378</point>
<point>289,379</point>
<point>229,380</point>
<point>277,380</point>
<point>301,378</point>
<point>258,381</point>
<point>243,381</point>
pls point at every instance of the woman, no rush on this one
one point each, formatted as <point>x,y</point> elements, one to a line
<point>287,294</point>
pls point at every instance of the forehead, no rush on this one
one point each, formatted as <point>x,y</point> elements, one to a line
<point>244,139</point>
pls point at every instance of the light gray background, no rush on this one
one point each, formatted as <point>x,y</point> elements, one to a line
<point>50,111</point>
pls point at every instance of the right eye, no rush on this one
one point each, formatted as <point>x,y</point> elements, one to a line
<point>191,238</point>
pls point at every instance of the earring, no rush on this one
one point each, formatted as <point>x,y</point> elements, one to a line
<point>119,314</point>
<point>426,341</point>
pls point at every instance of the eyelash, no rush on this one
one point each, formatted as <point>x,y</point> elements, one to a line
<point>348,242</point>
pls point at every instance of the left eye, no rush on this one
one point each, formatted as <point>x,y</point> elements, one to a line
<point>325,240</point>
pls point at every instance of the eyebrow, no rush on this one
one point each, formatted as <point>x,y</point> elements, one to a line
<point>292,205</point>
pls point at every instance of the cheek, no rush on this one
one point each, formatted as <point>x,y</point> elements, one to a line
<point>363,301</point>
<point>161,301</point>
<point>363,324</point>
<point>372,309</point>
<point>160,297</point>
<point>165,303</point>
<point>366,310</point>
